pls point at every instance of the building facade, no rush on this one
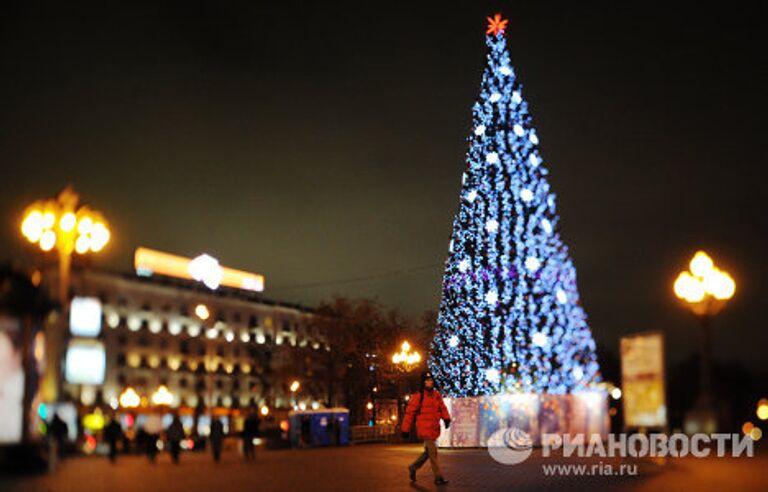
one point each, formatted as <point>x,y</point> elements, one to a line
<point>223,349</point>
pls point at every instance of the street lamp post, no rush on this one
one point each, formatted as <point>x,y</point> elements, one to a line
<point>64,224</point>
<point>705,290</point>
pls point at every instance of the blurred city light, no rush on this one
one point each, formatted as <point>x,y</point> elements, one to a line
<point>201,311</point>
<point>94,421</point>
<point>204,268</point>
<point>704,281</point>
<point>756,434</point>
<point>295,386</point>
<point>162,396</point>
<point>129,398</point>
<point>762,409</point>
<point>405,358</point>
<point>78,228</point>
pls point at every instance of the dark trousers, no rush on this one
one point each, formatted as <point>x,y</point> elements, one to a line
<point>175,450</point>
<point>112,451</point>
<point>248,449</point>
<point>216,447</point>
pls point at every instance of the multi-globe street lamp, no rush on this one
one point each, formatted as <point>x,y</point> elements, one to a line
<point>406,359</point>
<point>705,290</point>
<point>66,225</point>
<point>70,227</point>
<point>404,362</point>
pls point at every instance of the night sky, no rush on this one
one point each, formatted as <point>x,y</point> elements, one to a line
<point>323,144</point>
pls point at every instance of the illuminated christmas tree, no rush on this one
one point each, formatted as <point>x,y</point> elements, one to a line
<point>510,318</point>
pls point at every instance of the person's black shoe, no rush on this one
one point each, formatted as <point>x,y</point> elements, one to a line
<point>440,481</point>
<point>412,473</point>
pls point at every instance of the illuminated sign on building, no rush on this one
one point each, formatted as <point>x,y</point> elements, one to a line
<point>85,317</point>
<point>85,363</point>
<point>204,268</point>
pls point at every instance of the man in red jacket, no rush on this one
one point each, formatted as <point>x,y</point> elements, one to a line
<point>426,408</point>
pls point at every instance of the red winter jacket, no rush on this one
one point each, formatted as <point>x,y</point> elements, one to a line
<point>427,414</point>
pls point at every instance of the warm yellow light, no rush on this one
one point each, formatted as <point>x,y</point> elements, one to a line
<point>413,358</point>
<point>720,285</point>
<point>82,245</point>
<point>201,311</point>
<point>134,360</point>
<point>32,226</point>
<point>616,393</point>
<point>174,363</point>
<point>762,409</point>
<point>160,263</point>
<point>67,222</point>
<point>48,240</point>
<point>264,410</point>
<point>701,264</point>
<point>85,226</point>
<point>94,421</point>
<point>747,428</point>
<point>129,398</point>
<point>162,396</point>
<point>406,357</point>
<point>369,405</point>
<point>689,288</point>
<point>295,386</point>
<point>703,280</point>
<point>756,433</point>
<point>49,219</point>
<point>99,237</point>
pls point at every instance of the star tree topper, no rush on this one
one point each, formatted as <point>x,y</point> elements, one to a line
<point>496,25</point>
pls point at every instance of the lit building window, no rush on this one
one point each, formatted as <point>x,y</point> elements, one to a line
<point>155,325</point>
<point>134,323</point>
<point>174,363</point>
<point>134,359</point>
<point>174,327</point>
<point>193,330</point>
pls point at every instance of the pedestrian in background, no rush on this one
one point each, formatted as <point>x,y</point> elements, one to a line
<point>217,436</point>
<point>425,409</point>
<point>174,436</point>
<point>113,433</point>
<point>153,426</point>
<point>250,432</point>
<point>58,431</point>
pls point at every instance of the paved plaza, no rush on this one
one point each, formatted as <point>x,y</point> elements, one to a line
<point>373,468</point>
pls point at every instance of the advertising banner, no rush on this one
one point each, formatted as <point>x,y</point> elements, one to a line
<point>642,375</point>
